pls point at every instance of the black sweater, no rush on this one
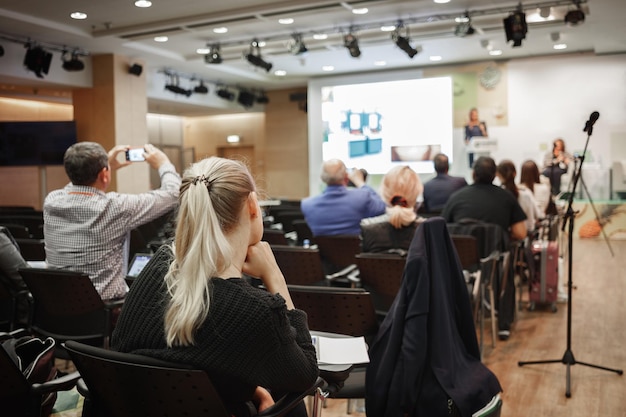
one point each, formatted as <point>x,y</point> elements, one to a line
<point>249,338</point>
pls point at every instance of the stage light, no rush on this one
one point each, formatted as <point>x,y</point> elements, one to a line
<point>515,27</point>
<point>246,99</point>
<point>352,43</point>
<point>72,63</point>
<point>201,88</point>
<point>574,17</point>
<point>403,43</point>
<point>297,46</point>
<point>254,56</point>
<point>37,60</point>
<point>175,88</point>
<point>135,69</point>
<point>225,94</point>
<point>464,26</point>
<point>213,56</point>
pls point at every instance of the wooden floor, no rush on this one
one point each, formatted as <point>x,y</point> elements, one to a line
<point>598,336</point>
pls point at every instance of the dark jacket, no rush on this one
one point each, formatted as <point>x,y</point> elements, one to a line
<point>426,351</point>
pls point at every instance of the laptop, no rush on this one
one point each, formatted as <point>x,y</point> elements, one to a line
<point>137,264</point>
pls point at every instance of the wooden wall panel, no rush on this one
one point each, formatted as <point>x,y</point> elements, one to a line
<point>20,186</point>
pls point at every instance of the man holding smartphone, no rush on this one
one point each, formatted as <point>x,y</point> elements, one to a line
<point>87,229</point>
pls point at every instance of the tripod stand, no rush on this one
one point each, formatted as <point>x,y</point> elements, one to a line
<point>568,357</point>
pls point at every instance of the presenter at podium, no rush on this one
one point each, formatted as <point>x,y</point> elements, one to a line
<point>474,128</point>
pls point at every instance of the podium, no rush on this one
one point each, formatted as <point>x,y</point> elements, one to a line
<point>481,146</point>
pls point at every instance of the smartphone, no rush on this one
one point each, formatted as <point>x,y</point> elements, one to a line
<point>135,155</point>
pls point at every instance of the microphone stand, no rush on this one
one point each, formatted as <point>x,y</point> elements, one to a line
<point>568,357</point>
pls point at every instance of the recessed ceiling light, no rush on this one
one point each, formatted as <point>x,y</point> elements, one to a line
<point>280,73</point>
<point>203,51</point>
<point>143,3</point>
<point>261,44</point>
<point>161,38</point>
<point>559,46</point>
<point>328,68</point>
<point>495,52</point>
<point>435,58</point>
<point>441,1</point>
<point>78,15</point>
<point>388,28</point>
<point>320,36</point>
<point>285,21</point>
<point>220,30</point>
<point>361,10</point>
<point>380,63</point>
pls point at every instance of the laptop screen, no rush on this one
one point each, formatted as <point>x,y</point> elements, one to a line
<point>137,264</point>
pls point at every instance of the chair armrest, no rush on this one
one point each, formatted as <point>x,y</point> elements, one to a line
<point>82,388</point>
<point>289,401</point>
<point>350,272</point>
<point>111,304</point>
<point>64,383</point>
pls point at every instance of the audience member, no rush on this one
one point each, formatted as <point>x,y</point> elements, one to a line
<point>474,128</point>
<point>555,164</point>
<point>394,230</point>
<point>87,229</point>
<point>339,209</point>
<point>439,189</point>
<point>191,304</point>
<point>486,202</point>
<point>506,172</point>
<point>531,180</point>
<point>11,261</point>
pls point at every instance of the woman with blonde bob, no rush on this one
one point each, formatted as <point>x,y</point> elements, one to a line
<point>393,231</point>
<point>191,305</point>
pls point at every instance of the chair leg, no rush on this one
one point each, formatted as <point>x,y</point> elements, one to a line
<point>494,331</point>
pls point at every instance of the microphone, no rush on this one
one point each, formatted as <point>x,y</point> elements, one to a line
<point>592,119</point>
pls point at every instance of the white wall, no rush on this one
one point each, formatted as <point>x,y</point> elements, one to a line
<point>549,98</point>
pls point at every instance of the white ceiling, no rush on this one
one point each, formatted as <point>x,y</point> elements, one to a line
<point>117,26</point>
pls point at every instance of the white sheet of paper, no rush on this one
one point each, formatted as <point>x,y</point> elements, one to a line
<point>341,350</point>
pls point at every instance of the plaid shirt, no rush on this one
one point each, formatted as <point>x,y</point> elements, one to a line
<point>88,230</point>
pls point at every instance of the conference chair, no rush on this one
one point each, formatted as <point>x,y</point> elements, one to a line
<point>287,217</point>
<point>381,274</point>
<point>17,230</point>
<point>338,253</point>
<point>274,236</point>
<point>303,232</point>
<point>493,250</point>
<point>66,306</point>
<point>33,220</point>
<point>21,398</point>
<point>117,384</point>
<point>300,266</point>
<point>32,249</point>
<point>345,311</point>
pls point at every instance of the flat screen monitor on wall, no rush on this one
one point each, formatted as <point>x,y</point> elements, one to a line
<point>379,121</point>
<point>35,143</point>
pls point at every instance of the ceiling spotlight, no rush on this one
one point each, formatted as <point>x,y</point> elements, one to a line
<point>263,98</point>
<point>464,26</point>
<point>201,88</point>
<point>515,27</point>
<point>254,56</point>
<point>213,55</point>
<point>574,17</point>
<point>135,69</point>
<point>352,43</point>
<point>225,94</point>
<point>72,63</point>
<point>246,99</point>
<point>175,88</point>
<point>297,46</point>
<point>37,60</point>
<point>403,42</point>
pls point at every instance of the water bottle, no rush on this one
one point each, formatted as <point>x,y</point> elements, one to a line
<point>306,243</point>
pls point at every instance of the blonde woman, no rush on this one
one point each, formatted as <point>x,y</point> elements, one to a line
<point>393,231</point>
<point>191,305</point>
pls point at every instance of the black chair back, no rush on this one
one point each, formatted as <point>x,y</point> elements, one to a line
<point>338,251</point>
<point>381,274</point>
<point>300,266</point>
<point>128,385</point>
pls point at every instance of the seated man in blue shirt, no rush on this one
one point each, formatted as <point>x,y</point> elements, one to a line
<point>339,209</point>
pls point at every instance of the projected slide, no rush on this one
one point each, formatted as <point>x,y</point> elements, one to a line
<point>379,125</point>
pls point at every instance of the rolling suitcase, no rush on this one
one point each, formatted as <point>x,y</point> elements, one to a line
<point>544,282</point>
